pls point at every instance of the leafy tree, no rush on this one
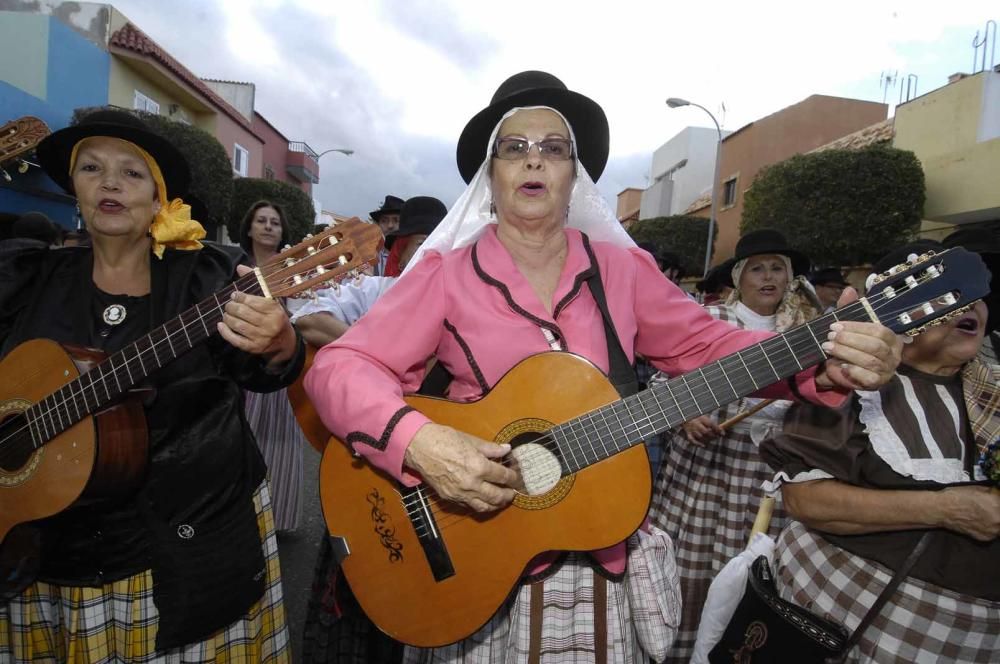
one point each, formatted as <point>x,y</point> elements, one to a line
<point>296,203</point>
<point>211,170</point>
<point>684,235</point>
<point>841,207</point>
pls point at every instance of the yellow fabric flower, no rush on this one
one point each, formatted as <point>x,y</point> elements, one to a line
<point>172,226</point>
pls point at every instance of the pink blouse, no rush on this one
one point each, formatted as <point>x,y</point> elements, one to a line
<point>474,310</point>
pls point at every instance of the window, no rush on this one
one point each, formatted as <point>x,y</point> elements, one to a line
<point>241,160</point>
<point>141,102</point>
<point>729,192</point>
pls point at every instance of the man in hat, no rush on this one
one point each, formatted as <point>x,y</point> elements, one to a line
<point>387,218</point>
<point>829,283</point>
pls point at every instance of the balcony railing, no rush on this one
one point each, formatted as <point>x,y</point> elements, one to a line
<point>302,146</point>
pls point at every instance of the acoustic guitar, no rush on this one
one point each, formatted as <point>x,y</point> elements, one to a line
<point>429,572</point>
<point>18,139</point>
<point>71,428</point>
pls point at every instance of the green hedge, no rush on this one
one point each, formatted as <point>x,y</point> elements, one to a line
<point>295,202</point>
<point>684,235</point>
<point>211,170</point>
<point>841,207</point>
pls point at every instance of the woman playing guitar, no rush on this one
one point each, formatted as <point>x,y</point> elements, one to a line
<point>183,561</point>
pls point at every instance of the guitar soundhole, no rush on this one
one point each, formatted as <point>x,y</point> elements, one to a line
<point>537,463</point>
<point>15,443</point>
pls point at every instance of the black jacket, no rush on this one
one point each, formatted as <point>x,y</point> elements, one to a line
<point>204,464</point>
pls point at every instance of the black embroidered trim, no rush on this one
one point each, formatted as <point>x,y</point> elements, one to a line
<point>794,387</point>
<point>381,443</point>
<point>502,287</point>
<point>580,278</point>
<point>468,356</point>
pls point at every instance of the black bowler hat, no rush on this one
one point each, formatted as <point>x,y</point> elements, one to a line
<point>54,152</point>
<point>828,276</point>
<point>537,88</point>
<point>760,242</point>
<point>899,255</point>
<point>984,242</point>
<point>391,205</point>
<point>420,216</point>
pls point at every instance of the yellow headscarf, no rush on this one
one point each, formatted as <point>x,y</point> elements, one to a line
<point>172,226</point>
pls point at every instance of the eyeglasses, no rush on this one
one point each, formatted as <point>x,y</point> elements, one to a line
<point>552,149</point>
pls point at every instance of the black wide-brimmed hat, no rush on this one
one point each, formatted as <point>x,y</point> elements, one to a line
<point>537,88</point>
<point>391,205</point>
<point>760,242</point>
<point>420,216</point>
<point>828,276</point>
<point>54,152</point>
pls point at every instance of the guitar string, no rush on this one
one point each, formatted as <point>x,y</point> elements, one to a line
<point>634,429</point>
<point>758,350</point>
<point>754,358</point>
<point>213,316</point>
<point>444,505</point>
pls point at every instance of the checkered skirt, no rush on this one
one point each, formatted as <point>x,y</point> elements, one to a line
<point>116,623</point>
<point>643,611</point>
<point>921,622</point>
<point>706,499</point>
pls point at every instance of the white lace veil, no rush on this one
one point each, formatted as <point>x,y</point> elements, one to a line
<point>469,216</point>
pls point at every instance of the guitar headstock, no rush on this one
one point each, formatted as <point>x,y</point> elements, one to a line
<point>912,296</point>
<point>18,139</point>
<point>333,254</point>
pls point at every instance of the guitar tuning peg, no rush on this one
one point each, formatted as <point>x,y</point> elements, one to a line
<point>308,236</point>
<point>286,247</point>
<point>22,167</point>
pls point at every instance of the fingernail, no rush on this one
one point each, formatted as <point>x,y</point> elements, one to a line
<point>837,327</point>
<point>232,296</point>
<point>831,335</point>
<point>827,346</point>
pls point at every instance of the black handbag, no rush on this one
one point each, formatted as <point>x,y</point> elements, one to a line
<point>766,629</point>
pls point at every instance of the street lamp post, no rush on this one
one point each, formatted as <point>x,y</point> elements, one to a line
<point>676,102</point>
<point>345,151</point>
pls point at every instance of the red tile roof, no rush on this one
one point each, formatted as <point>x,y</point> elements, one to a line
<point>880,133</point>
<point>131,38</point>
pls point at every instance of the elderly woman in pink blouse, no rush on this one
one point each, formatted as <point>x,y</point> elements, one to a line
<point>503,277</point>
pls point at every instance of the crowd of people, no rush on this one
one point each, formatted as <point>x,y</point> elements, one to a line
<point>864,455</point>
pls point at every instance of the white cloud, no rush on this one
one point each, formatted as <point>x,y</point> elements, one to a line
<point>397,79</point>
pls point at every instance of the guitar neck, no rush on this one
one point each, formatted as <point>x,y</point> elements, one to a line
<point>599,434</point>
<point>107,382</point>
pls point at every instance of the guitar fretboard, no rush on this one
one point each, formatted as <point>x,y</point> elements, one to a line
<point>111,379</point>
<point>601,433</point>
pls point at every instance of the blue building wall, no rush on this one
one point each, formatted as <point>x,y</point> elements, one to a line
<point>77,75</point>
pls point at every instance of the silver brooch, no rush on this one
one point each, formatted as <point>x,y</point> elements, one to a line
<point>114,314</point>
<point>184,531</point>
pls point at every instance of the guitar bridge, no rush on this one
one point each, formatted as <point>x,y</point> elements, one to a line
<point>426,528</point>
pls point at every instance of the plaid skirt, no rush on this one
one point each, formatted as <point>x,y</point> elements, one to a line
<point>282,445</point>
<point>706,499</point>
<point>641,615</point>
<point>116,623</point>
<point>921,622</point>
<point>336,630</point>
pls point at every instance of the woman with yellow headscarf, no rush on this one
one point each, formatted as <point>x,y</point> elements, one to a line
<point>184,567</point>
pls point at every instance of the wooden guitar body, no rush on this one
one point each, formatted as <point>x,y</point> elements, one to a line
<point>98,457</point>
<point>393,575</point>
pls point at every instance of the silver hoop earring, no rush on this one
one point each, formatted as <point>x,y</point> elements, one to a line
<point>79,218</point>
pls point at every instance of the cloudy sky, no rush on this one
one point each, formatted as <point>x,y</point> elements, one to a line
<point>396,80</point>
